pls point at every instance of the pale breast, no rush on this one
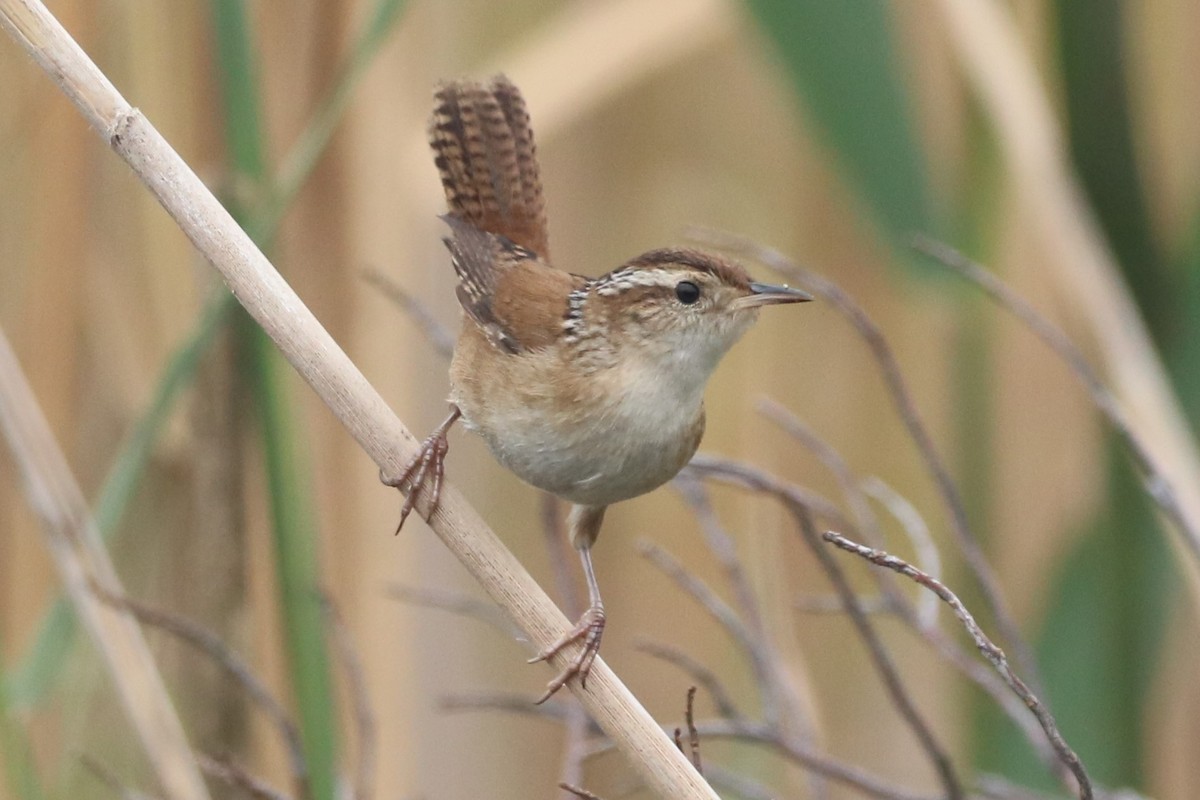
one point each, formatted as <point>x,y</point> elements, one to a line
<point>597,441</point>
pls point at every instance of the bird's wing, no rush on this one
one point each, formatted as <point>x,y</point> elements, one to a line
<point>487,160</point>
<point>516,299</point>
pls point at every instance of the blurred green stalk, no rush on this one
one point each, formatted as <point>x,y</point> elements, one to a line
<point>288,477</point>
<point>16,752</point>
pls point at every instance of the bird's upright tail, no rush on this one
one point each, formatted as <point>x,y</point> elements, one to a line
<point>488,162</point>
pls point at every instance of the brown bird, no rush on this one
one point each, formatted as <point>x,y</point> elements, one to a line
<point>589,388</point>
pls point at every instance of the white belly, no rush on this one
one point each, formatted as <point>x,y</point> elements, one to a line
<point>588,452</point>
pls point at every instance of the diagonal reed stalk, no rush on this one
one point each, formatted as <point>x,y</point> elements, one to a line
<point>79,555</point>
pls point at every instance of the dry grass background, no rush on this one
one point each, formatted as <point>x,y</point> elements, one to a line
<point>650,117</point>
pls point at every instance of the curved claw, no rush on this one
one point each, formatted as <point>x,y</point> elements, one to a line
<point>589,628</point>
<point>430,461</point>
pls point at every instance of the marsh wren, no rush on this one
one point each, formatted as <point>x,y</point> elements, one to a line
<point>589,388</point>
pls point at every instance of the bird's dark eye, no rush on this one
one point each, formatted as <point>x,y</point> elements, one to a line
<point>687,292</point>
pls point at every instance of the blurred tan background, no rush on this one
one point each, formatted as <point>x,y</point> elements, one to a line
<point>650,117</point>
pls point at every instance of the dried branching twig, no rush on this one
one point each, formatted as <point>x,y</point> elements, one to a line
<point>73,542</point>
<point>1154,479</point>
<point>456,603</point>
<point>899,694</point>
<point>906,408</point>
<point>693,734</point>
<point>578,792</point>
<point>751,478</point>
<point>698,672</point>
<point>225,770</point>
<point>781,703</point>
<point>755,649</point>
<point>437,334</point>
<point>990,651</point>
<point>914,525</point>
<point>212,646</point>
<point>864,516</point>
<point>761,482</point>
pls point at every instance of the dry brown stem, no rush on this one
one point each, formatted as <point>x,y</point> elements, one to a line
<point>1154,478</point>
<point>319,360</point>
<point>228,772</point>
<point>577,791</point>
<point>1003,74</point>
<point>754,479</point>
<point>437,334</point>
<point>693,734</point>
<point>455,603</point>
<point>901,698</point>
<point>994,655</point>
<point>906,409</point>
<point>74,544</point>
<point>698,672</point>
<point>212,646</point>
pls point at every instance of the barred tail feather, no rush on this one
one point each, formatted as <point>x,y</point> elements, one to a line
<point>487,160</point>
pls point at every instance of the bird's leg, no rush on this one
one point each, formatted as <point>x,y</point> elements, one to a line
<point>584,522</point>
<point>429,462</point>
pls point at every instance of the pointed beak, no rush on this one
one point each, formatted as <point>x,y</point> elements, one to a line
<point>766,294</point>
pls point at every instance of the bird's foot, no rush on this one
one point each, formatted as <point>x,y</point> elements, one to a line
<point>428,464</point>
<point>589,628</point>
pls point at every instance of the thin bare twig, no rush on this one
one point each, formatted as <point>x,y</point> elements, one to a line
<point>781,702</point>
<point>698,672</point>
<point>215,648</point>
<point>864,516</point>
<point>1154,479</point>
<point>994,655</point>
<point>437,334</point>
<point>754,479</point>
<point>809,758</point>
<point>577,791</point>
<point>720,543</point>
<point>364,716</point>
<point>734,473</point>
<point>758,654</point>
<point>514,703</point>
<point>906,408</point>
<point>776,701</point>
<point>829,456</point>
<point>455,603</point>
<point>224,769</point>
<point>913,524</point>
<point>901,698</point>
<point>693,734</point>
<point>759,481</point>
